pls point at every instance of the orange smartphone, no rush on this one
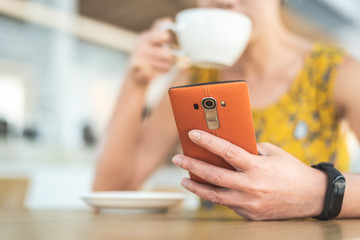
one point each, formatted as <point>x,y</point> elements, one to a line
<point>220,108</point>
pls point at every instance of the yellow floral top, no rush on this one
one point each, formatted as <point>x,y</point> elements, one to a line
<point>303,121</point>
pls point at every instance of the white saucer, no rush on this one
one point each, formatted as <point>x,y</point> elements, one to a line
<point>134,200</point>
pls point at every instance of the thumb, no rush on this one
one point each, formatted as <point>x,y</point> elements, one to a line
<point>159,22</point>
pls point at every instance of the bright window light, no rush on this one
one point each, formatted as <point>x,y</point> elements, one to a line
<point>12,99</point>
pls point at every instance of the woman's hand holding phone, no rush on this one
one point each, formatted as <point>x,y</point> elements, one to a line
<point>271,185</point>
<point>227,167</point>
<point>220,108</point>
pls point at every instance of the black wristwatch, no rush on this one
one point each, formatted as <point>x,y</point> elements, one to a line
<point>334,192</point>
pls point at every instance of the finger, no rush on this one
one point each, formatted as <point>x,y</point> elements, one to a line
<point>153,61</point>
<point>160,66</point>
<point>159,22</point>
<point>146,69</point>
<point>234,155</point>
<point>160,59</point>
<point>159,37</point>
<point>215,175</point>
<point>216,195</point>
<point>160,53</point>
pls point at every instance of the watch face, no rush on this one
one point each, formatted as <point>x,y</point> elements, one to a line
<point>340,185</point>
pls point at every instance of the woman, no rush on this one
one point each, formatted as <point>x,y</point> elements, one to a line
<point>299,92</point>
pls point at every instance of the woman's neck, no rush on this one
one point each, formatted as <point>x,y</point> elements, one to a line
<point>266,54</point>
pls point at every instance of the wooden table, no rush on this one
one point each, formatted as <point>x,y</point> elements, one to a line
<point>177,224</point>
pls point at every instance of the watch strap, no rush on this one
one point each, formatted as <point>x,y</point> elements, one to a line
<point>334,194</point>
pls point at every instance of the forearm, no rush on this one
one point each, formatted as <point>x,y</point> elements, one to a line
<point>118,149</point>
<point>351,207</point>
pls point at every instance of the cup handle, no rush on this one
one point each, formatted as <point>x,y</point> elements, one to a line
<point>170,26</point>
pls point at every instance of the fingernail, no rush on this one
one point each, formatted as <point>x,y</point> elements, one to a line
<point>185,182</point>
<point>194,135</point>
<point>177,160</point>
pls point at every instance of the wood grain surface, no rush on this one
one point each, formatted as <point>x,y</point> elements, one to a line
<point>177,224</point>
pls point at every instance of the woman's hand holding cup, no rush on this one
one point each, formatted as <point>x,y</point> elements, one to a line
<point>150,58</point>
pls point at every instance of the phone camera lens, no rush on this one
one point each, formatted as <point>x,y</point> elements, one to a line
<point>209,103</point>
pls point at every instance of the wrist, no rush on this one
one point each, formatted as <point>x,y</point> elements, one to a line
<point>131,99</point>
<point>139,75</point>
<point>131,84</point>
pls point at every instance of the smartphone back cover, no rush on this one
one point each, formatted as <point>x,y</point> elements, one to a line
<point>235,118</point>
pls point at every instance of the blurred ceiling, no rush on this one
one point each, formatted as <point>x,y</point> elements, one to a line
<point>138,15</point>
<point>135,15</point>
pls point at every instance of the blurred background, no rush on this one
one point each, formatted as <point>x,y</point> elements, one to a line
<point>61,68</point>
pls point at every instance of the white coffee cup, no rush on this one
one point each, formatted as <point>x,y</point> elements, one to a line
<point>211,37</point>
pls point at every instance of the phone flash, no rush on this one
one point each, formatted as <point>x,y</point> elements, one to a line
<point>223,103</point>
